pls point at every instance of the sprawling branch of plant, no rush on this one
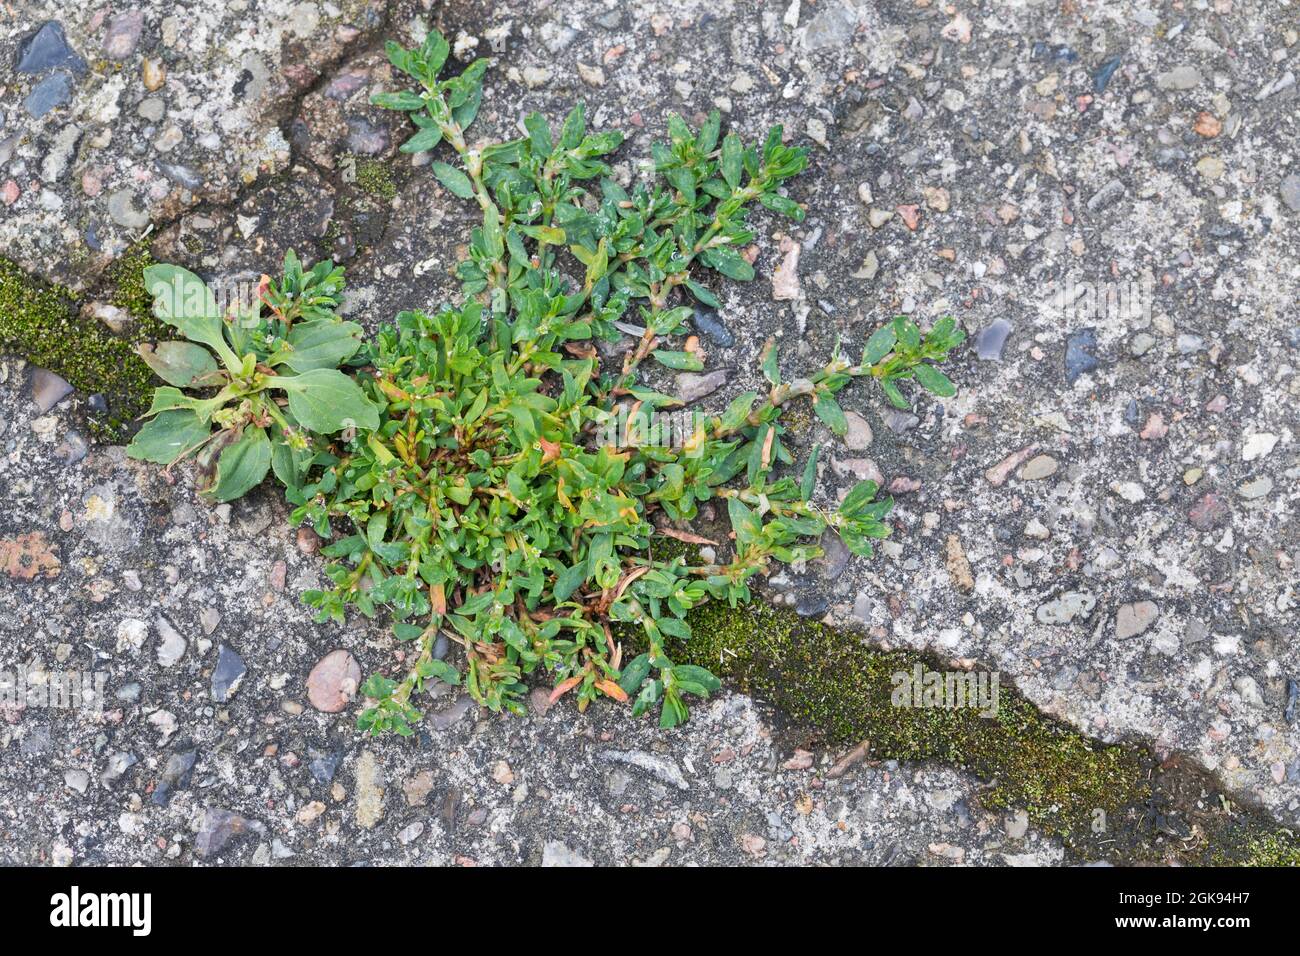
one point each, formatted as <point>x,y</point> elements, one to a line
<point>464,475</point>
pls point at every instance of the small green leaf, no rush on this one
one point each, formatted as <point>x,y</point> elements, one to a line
<point>732,158</point>
<point>575,125</point>
<point>434,52</point>
<point>738,411</point>
<point>829,411</point>
<point>286,463</point>
<point>863,493</point>
<point>634,673</point>
<point>404,100</point>
<point>321,343</point>
<point>769,363</point>
<point>697,675</point>
<point>454,180</point>
<point>569,580</point>
<point>809,481</point>
<point>786,207</point>
<point>422,141</point>
<point>935,381</point>
<point>442,671</point>
<point>893,394</point>
<point>729,262</point>
<point>539,134</point>
<point>907,332</point>
<point>703,294</point>
<point>681,361</point>
<point>707,138</point>
<point>879,345</point>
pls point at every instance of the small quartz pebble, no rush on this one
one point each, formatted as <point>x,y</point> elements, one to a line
<point>1042,466</point>
<point>1066,607</point>
<point>990,341</point>
<point>1155,427</point>
<point>1179,78</point>
<point>878,217</point>
<point>858,437</point>
<point>48,389</point>
<point>333,682</point>
<point>1257,446</point>
<point>171,645</point>
<point>1132,619</point>
<point>1130,491</point>
<point>1256,488</point>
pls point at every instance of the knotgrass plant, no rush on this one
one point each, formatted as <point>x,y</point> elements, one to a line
<point>460,468</point>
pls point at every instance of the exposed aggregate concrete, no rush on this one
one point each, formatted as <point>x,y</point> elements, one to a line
<point>1105,512</point>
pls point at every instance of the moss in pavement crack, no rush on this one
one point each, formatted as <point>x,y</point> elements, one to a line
<point>835,685</point>
<point>44,324</point>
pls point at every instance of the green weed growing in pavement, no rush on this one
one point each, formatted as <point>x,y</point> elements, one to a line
<point>463,478</point>
<point>273,366</point>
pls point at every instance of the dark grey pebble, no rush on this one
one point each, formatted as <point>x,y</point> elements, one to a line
<point>990,342</point>
<point>813,605</point>
<point>229,671</point>
<point>175,776</point>
<point>1060,52</point>
<point>899,421</point>
<point>219,828</point>
<point>1101,78</point>
<point>51,92</point>
<point>707,321</point>
<point>48,389</point>
<point>1078,354</point>
<point>324,765</point>
<point>48,48</point>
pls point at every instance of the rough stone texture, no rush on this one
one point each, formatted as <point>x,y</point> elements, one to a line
<point>1040,168</point>
<point>93,173</point>
<point>251,780</point>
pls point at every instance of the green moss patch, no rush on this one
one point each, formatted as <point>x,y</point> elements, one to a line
<point>1109,801</point>
<point>376,178</point>
<point>43,323</point>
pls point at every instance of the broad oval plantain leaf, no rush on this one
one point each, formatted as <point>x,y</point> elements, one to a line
<point>177,363</point>
<point>167,435</point>
<point>321,343</point>
<point>242,465</point>
<point>183,300</point>
<point>327,401</point>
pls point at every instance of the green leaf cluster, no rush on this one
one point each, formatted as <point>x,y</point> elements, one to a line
<point>269,374</point>
<point>461,471</point>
